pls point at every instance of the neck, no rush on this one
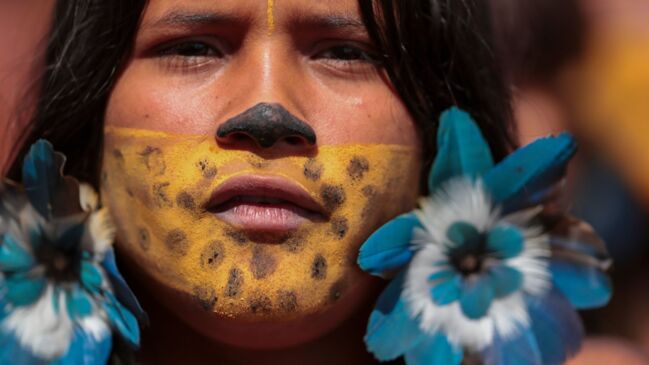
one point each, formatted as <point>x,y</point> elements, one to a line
<point>169,341</point>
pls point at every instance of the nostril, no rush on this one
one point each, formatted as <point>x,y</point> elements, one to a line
<point>238,137</point>
<point>294,140</point>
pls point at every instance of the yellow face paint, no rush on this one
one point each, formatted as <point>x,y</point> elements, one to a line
<point>156,185</point>
<point>270,16</point>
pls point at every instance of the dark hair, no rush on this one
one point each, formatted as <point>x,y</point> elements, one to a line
<point>437,54</point>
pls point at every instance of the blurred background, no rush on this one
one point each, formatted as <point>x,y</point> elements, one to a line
<point>583,66</point>
<point>577,65</point>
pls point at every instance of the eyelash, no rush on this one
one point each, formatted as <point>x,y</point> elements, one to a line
<point>192,55</point>
<point>350,54</point>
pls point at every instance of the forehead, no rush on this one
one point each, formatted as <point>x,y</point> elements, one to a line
<point>252,11</point>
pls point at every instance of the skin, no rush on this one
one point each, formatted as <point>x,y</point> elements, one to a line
<point>197,64</point>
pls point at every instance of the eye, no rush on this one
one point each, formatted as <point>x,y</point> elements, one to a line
<point>191,49</point>
<point>348,53</point>
<point>190,54</point>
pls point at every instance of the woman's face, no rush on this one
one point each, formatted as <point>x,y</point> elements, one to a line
<point>250,149</point>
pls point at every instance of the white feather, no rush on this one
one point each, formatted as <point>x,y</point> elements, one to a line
<point>88,198</point>
<point>464,200</point>
<point>101,230</point>
<point>95,326</point>
<point>39,329</point>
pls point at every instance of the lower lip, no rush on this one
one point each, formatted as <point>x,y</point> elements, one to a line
<point>265,217</point>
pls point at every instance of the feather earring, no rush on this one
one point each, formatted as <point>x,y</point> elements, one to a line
<point>61,295</point>
<point>484,267</point>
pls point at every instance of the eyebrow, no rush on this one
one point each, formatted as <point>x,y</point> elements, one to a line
<point>185,18</point>
<point>195,18</point>
<point>335,21</point>
<point>329,21</point>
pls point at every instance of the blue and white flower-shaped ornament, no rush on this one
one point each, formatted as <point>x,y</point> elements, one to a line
<point>61,295</point>
<point>482,269</point>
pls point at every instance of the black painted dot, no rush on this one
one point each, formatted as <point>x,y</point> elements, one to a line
<point>339,227</point>
<point>161,196</point>
<point>357,167</point>
<point>287,300</point>
<point>208,170</point>
<point>333,196</point>
<point>176,242</point>
<point>117,154</point>
<point>185,201</point>
<point>371,193</point>
<point>143,238</point>
<point>237,236</point>
<point>319,267</point>
<point>262,264</point>
<point>261,304</point>
<point>337,289</point>
<point>235,283</point>
<point>295,243</point>
<point>313,169</point>
<point>153,160</point>
<point>206,297</point>
<point>212,255</point>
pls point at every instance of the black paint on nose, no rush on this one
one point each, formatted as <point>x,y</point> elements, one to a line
<point>267,124</point>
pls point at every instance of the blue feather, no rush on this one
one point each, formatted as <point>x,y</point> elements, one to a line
<point>122,291</point>
<point>48,191</point>
<point>91,278</point>
<point>461,149</point>
<point>390,331</point>
<point>123,320</point>
<point>578,246</point>
<point>86,350</point>
<point>78,303</point>
<point>434,350</point>
<point>585,286</point>
<point>530,169</point>
<point>505,280</point>
<point>13,257</point>
<point>388,248</point>
<point>22,290</point>
<point>575,238</point>
<point>556,326</point>
<point>520,350</point>
<point>11,352</point>
<point>505,241</point>
<point>41,177</point>
<point>464,234</point>
<point>447,291</point>
<point>476,298</point>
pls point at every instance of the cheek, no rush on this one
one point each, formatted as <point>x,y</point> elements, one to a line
<point>368,114</point>
<point>142,99</point>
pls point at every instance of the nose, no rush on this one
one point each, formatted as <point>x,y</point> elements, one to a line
<point>266,125</point>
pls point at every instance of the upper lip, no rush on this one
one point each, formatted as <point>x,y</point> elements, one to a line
<point>273,187</point>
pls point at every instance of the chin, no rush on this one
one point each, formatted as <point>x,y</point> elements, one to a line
<point>271,329</point>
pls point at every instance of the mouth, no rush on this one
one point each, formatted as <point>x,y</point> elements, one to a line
<point>269,204</point>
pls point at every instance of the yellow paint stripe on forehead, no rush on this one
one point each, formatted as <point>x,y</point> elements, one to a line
<point>271,16</point>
